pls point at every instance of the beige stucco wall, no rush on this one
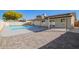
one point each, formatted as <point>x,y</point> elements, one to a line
<point>40,23</point>
<point>37,23</point>
<point>58,23</point>
<point>73,19</point>
<point>16,23</point>
<point>69,25</point>
<point>46,23</point>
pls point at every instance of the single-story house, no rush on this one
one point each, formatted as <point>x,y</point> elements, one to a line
<point>58,21</point>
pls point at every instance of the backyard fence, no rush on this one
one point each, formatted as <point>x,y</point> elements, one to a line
<point>76,24</point>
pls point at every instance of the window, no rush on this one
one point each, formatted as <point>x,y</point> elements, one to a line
<point>43,20</point>
<point>52,21</point>
<point>62,20</point>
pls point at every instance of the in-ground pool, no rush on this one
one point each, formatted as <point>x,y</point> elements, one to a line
<point>31,28</point>
<point>16,30</point>
<point>14,27</point>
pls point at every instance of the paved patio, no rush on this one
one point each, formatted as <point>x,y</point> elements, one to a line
<point>32,40</point>
<point>68,40</point>
<point>9,32</point>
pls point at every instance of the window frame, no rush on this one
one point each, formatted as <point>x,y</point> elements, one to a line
<point>62,19</point>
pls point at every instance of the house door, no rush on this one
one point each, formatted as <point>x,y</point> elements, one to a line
<point>52,23</point>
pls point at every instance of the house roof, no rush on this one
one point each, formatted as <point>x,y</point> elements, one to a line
<point>37,19</point>
<point>57,16</point>
<point>60,16</point>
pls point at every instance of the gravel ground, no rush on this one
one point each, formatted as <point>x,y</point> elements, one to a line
<point>67,40</point>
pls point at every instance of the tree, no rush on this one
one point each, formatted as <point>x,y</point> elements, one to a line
<point>11,15</point>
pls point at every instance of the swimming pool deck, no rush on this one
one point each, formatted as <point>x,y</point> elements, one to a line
<point>8,33</point>
<point>32,40</point>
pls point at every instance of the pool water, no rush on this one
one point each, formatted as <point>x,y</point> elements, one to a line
<point>30,28</point>
<point>18,27</point>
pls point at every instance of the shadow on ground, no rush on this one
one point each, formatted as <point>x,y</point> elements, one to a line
<point>37,28</point>
<point>68,40</point>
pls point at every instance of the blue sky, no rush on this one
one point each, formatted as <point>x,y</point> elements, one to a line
<point>30,14</point>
